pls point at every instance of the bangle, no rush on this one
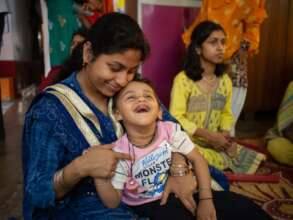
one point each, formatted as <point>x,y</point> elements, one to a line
<point>207,198</point>
<point>179,169</point>
<point>59,179</point>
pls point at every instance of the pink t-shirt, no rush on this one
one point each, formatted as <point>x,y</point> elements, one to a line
<point>151,165</point>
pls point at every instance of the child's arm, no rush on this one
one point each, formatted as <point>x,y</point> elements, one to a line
<point>206,209</point>
<point>110,190</point>
<point>201,171</point>
<point>111,197</point>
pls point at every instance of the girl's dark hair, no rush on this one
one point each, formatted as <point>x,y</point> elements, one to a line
<point>191,65</point>
<point>81,32</point>
<point>112,33</point>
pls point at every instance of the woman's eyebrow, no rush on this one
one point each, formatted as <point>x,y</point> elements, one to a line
<point>120,65</point>
<point>115,63</point>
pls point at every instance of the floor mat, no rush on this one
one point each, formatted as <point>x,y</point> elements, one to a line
<point>276,198</point>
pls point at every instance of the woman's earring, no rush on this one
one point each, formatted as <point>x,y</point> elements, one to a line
<point>84,64</point>
<point>197,51</point>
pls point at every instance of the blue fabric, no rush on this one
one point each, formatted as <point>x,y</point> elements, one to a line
<point>51,140</point>
<point>219,177</point>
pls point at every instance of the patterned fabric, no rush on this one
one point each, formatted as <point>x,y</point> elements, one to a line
<point>238,100</point>
<point>62,24</point>
<point>51,140</point>
<point>196,109</point>
<point>151,165</point>
<point>50,78</point>
<point>106,6</point>
<point>280,138</point>
<point>285,115</point>
<point>241,19</point>
<point>239,68</point>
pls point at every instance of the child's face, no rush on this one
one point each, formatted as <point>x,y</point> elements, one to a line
<point>137,105</point>
<point>213,48</point>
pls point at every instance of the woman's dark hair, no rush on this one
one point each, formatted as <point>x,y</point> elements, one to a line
<point>81,32</point>
<point>192,66</point>
<point>112,33</point>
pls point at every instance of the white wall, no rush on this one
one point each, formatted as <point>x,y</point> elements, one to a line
<point>17,43</point>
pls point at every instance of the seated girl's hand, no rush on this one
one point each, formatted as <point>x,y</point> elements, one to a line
<point>99,161</point>
<point>206,210</point>
<point>218,141</point>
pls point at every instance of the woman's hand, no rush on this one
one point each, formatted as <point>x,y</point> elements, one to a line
<point>100,161</point>
<point>206,210</point>
<point>219,141</point>
<point>183,187</point>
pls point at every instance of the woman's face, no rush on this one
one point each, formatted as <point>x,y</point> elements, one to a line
<point>109,73</point>
<point>213,48</point>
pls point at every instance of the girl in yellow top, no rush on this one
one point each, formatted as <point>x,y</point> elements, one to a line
<point>201,102</point>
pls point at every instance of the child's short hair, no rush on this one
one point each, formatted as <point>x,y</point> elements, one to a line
<point>140,79</point>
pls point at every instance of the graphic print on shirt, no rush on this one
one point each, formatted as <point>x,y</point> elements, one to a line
<point>151,171</point>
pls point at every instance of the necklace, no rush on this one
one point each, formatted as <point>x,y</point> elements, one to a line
<point>211,81</point>
<point>148,143</point>
<point>132,183</point>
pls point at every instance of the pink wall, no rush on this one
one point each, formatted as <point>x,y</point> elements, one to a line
<point>163,26</point>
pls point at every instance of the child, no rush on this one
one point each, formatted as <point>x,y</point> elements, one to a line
<point>150,142</point>
<point>201,102</point>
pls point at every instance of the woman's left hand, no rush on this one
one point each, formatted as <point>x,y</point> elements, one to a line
<point>183,187</point>
<point>206,210</point>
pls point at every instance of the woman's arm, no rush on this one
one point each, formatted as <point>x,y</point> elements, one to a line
<point>201,171</point>
<point>98,162</point>
<point>206,209</point>
<point>182,185</point>
<point>227,119</point>
<point>178,103</point>
<point>218,140</point>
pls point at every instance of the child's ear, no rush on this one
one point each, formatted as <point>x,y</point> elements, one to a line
<point>117,115</point>
<point>160,114</point>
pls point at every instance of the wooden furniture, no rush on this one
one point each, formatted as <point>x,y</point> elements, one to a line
<point>271,70</point>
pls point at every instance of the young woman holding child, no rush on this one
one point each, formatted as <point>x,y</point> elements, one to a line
<point>76,114</point>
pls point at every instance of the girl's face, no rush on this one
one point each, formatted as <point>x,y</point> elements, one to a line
<point>137,105</point>
<point>109,73</point>
<point>213,48</point>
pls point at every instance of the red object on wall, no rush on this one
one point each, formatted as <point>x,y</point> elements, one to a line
<point>8,68</point>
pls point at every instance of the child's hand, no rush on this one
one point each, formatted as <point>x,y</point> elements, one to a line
<point>206,210</point>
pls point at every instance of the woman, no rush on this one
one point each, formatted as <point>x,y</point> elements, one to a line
<point>279,139</point>
<point>201,102</point>
<point>57,183</point>
<point>73,115</point>
<point>242,23</point>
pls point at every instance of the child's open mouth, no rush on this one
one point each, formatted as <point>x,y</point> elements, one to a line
<point>141,109</point>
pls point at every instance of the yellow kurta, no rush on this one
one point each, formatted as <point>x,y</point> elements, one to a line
<point>241,20</point>
<point>194,109</point>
